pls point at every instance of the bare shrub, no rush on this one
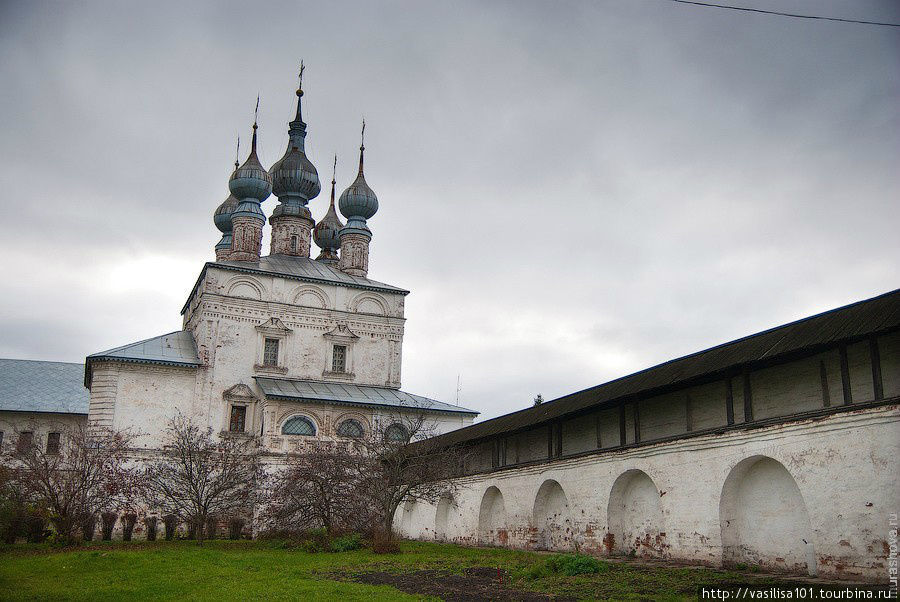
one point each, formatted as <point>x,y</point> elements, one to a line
<point>198,475</point>
<point>170,522</point>
<point>150,523</point>
<point>107,524</point>
<point>89,527</point>
<point>68,484</point>
<point>128,521</point>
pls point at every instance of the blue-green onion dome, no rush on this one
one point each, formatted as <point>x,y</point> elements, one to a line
<point>251,180</point>
<point>327,232</point>
<point>295,175</point>
<point>222,215</point>
<point>359,199</point>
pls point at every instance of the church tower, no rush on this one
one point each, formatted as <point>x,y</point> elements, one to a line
<point>295,182</point>
<point>251,185</point>
<point>358,203</point>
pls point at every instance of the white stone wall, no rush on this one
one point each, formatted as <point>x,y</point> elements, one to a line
<point>39,423</point>
<point>837,472</point>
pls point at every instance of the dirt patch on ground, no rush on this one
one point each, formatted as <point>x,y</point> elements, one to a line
<point>474,585</point>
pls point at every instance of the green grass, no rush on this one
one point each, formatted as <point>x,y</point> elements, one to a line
<point>223,570</point>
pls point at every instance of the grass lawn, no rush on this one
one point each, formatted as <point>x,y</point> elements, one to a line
<point>254,570</point>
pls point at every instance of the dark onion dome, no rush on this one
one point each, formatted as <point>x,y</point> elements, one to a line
<point>327,232</point>
<point>251,180</point>
<point>295,175</point>
<point>359,200</point>
<point>222,215</point>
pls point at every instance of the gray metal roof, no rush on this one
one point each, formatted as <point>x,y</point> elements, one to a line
<point>307,390</point>
<point>809,335</point>
<point>174,349</point>
<point>35,386</point>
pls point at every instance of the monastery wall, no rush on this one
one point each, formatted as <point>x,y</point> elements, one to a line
<point>751,496</point>
<point>798,474</point>
<point>39,423</point>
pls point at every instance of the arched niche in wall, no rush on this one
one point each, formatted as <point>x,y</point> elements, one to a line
<point>245,287</point>
<point>763,518</point>
<point>446,510</point>
<point>406,516</point>
<point>310,296</point>
<point>635,516</point>
<point>552,517</point>
<point>492,529</point>
<point>368,303</point>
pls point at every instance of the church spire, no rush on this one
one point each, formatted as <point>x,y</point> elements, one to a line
<point>251,185</point>
<point>327,232</point>
<point>358,203</point>
<point>295,182</point>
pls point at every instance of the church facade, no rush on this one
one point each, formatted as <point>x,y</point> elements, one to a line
<point>291,349</point>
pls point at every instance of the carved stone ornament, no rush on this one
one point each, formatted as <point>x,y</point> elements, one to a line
<point>273,326</point>
<point>341,333</point>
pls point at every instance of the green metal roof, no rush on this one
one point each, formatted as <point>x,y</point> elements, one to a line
<point>36,386</point>
<point>318,391</point>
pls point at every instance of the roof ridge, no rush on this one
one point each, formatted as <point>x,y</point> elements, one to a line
<point>126,345</point>
<point>14,359</point>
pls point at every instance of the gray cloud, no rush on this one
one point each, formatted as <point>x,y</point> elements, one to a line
<point>572,190</point>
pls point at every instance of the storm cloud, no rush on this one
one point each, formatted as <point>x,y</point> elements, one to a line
<point>572,190</point>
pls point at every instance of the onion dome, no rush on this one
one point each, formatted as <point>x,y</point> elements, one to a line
<point>222,215</point>
<point>294,176</point>
<point>359,203</point>
<point>327,232</point>
<point>251,181</point>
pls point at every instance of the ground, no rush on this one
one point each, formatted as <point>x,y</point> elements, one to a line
<point>271,570</point>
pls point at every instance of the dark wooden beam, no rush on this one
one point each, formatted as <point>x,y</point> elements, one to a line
<point>875,358</point>
<point>729,401</point>
<point>622,440</point>
<point>748,396</point>
<point>597,427</point>
<point>823,376</point>
<point>688,413</point>
<point>845,375</point>
<point>637,421</point>
<point>550,440</point>
<point>558,438</point>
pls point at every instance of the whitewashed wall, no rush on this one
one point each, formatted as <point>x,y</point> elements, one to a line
<point>838,473</point>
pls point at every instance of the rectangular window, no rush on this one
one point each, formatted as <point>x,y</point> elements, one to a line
<point>25,440</point>
<point>270,353</point>
<point>238,419</point>
<point>53,443</point>
<point>293,244</point>
<point>339,359</point>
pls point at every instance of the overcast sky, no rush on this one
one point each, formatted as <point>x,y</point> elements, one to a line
<point>572,191</point>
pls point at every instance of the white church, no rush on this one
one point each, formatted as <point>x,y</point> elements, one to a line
<point>294,350</point>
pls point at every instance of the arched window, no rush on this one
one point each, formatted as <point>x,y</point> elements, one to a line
<point>396,432</point>
<point>350,428</point>
<point>299,425</point>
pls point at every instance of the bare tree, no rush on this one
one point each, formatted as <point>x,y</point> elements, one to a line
<point>396,472</point>
<point>321,487</point>
<point>70,482</point>
<point>197,475</point>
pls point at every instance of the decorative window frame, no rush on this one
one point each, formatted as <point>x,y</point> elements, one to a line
<point>343,336</point>
<point>273,328</point>
<point>240,395</point>
<point>316,425</point>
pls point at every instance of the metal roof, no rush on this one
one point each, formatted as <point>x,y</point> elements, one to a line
<point>308,390</point>
<point>855,321</point>
<point>174,349</point>
<point>35,386</point>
